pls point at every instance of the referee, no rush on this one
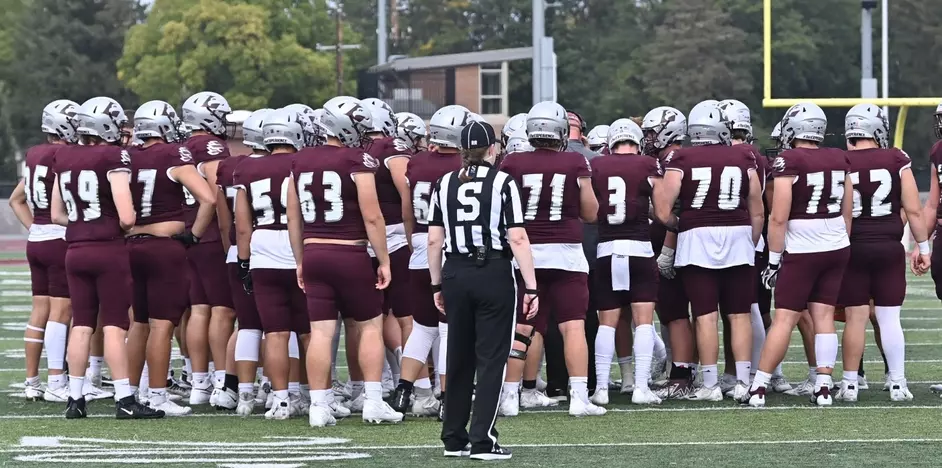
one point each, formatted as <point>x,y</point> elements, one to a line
<point>476,219</point>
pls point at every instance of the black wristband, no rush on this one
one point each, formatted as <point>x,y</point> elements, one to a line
<point>436,288</point>
<point>531,292</point>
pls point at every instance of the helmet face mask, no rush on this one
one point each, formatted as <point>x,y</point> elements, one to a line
<point>663,126</point>
<point>739,119</point>
<point>411,129</point>
<point>348,120</point>
<point>206,111</point>
<point>383,120</point>
<point>597,138</point>
<point>938,122</point>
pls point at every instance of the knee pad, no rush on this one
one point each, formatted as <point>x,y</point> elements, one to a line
<point>247,344</point>
<point>420,342</point>
<point>525,340</point>
<point>294,352</point>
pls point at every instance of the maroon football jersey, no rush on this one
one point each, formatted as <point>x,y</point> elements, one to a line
<point>329,202</point>
<point>715,185</point>
<point>549,180</point>
<point>157,197</point>
<point>390,202</point>
<point>224,171</point>
<point>877,194</point>
<point>38,179</point>
<point>623,187</point>
<point>265,181</point>
<point>86,192</point>
<point>818,175</point>
<point>935,157</point>
<point>204,148</point>
<point>423,172</point>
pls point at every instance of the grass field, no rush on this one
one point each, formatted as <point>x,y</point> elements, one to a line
<point>871,432</point>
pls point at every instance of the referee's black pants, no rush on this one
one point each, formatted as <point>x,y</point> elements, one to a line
<point>480,305</point>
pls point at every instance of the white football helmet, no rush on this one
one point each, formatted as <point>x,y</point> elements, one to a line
<point>57,119</point>
<point>738,116</point>
<point>411,129</point>
<point>598,137</point>
<point>253,132</point>
<point>285,127</point>
<point>517,144</point>
<point>707,125</point>
<point>101,117</point>
<point>446,124</point>
<point>938,121</point>
<point>206,111</point>
<point>313,138</point>
<point>803,121</point>
<point>624,131</point>
<point>867,121</point>
<point>157,119</point>
<point>383,120</point>
<point>663,126</point>
<point>473,117</point>
<point>516,126</point>
<point>347,119</point>
<point>548,120</point>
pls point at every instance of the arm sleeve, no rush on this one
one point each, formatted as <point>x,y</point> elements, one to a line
<point>435,209</point>
<point>512,207</point>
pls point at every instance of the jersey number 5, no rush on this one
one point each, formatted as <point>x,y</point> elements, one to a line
<point>816,182</point>
<point>420,201</point>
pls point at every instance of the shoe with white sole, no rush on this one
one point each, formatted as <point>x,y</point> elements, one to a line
<point>727,383</point>
<point>93,393</point>
<point>509,405</point>
<point>659,367</point>
<point>320,416</point>
<point>778,384</point>
<point>600,397</point>
<point>533,398</point>
<point>338,410</point>
<point>754,398</point>
<point>847,392</point>
<point>162,403</point>
<point>380,412</point>
<point>339,393</point>
<point>264,391</point>
<point>246,404</point>
<point>936,387</point>
<point>214,395</point>
<point>424,403</point>
<point>56,395</point>
<point>805,388</point>
<point>822,397</point>
<point>33,392</point>
<point>226,399</point>
<point>899,391</point>
<point>578,408</point>
<point>175,389</point>
<point>706,394</point>
<point>627,381</point>
<point>296,405</point>
<point>459,453</point>
<point>540,384</point>
<point>199,394</point>
<point>644,396</point>
<point>496,453</point>
<point>280,410</point>
<point>738,392</point>
<point>862,383</point>
<point>356,405</point>
<point>674,390</point>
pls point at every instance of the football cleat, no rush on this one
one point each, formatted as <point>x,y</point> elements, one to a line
<point>356,405</point>
<point>936,387</point>
<point>379,412</point>
<point>459,453</point>
<point>754,398</point>
<point>425,405</point>
<point>129,408</point>
<point>659,367</point>
<point>533,398</point>
<point>496,453</point>
<point>822,397</point>
<point>214,395</point>
<point>846,392</point>
<point>246,404</point>
<point>706,394</point>
<point>778,384</point>
<point>805,388</point>
<point>92,392</point>
<point>264,391</point>
<point>174,388</point>
<point>75,409</point>
<point>162,403</point>
<point>614,385</point>
<point>674,390</point>
<point>862,383</point>
<point>33,392</point>
<point>339,391</point>
<point>738,392</point>
<point>401,399</point>
<point>226,399</point>
<point>727,383</point>
<point>540,384</point>
<point>627,386</point>
<point>57,395</point>
<point>600,397</point>
<point>200,394</point>
<point>320,416</point>
<point>337,410</point>
<point>644,396</point>
<point>899,392</point>
<point>280,410</point>
<point>578,408</point>
<point>509,405</point>
<point>296,405</point>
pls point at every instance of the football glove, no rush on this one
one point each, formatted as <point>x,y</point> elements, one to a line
<point>665,263</point>
<point>770,275</point>
<point>187,238</point>
<point>245,275</point>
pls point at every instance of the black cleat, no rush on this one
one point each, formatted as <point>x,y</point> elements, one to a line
<point>496,453</point>
<point>401,400</point>
<point>129,408</point>
<point>75,409</point>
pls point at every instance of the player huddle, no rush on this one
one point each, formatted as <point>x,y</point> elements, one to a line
<point>146,229</point>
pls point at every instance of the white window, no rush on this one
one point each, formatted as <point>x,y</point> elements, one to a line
<point>494,99</point>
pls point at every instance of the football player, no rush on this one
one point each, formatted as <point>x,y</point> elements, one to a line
<point>411,130</point>
<point>626,275</point>
<point>812,207</point>
<point>596,138</point>
<point>92,198</point>
<point>720,221</point>
<point>883,184</point>
<point>333,210</point>
<point>211,317</point>
<point>160,168</point>
<point>560,198</point>
<point>45,252</point>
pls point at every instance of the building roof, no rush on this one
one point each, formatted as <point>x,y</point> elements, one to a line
<point>455,60</point>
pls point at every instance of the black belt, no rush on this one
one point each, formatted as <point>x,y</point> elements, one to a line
<point>142,236</point>
<point>491,255</point>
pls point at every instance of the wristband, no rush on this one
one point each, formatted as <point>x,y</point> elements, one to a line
<point>775,258</point>
<point>436,288</point>
<point>531,292</point>
<point>923,247</point>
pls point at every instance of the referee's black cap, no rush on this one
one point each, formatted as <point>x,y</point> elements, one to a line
<point>477,135</point>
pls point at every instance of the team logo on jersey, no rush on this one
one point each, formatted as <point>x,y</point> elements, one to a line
<point>587,165</point>
<point>778,164</point>
<point>214,148</point>
<point>905,154</point>
<point>401,145</point>
<point>185,155</point>
<point>125,158</point>
<point>370,161</point>
<point>657,165</point>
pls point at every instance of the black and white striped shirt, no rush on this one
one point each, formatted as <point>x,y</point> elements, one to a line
<point>476,213</point>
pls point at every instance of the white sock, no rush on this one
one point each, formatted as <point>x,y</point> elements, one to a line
<point>579,387</point>
<point>246,387</point>
<point>823,380</point>
<point>758,335</point>
<point>850,377</point>
<point>777,372</point>
<point>627,366</point>
<point>133,389</point>
<point>709,375</point>
<point>319,397</point>
<point>891,336</point>
<point>335,345</point>
<point>200,378</point>
<point>54,342</point>
<point>94,367</point>
<point>56,381</point>
<point>188,367</point>
<point>76,384</point>
<point>145,379</point>
<point>219,378</point>
<point>122,389</point>
<point>825,350</point>
<point>660,349</point>
<point>604,349</point>
<point>280,394</point>
<point>743,370</point>
<point>373,390</point>
<point>294,388</point>
<point>812,373</point>
<point>762,380</point>
<point>423,383</point>
<point>644,344</point>
<point>511,388</point>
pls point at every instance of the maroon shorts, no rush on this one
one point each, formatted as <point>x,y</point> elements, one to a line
<point>47,267</point>
<point>340,278</point>
<point>643,276</point>
<point>246,312</point>
<point>672,302</point>
<point>397,297</point>
<point>210,285</point>
<point>424,311</point>
<point>936,270</point>
<point>726,290</point>
<point>160,278</point>
<point>810,277</point>
<point>99,276</point>
<point>876,270</point>
<point>763,295</point>
<point>280,302</point>
<point>564,295</point>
